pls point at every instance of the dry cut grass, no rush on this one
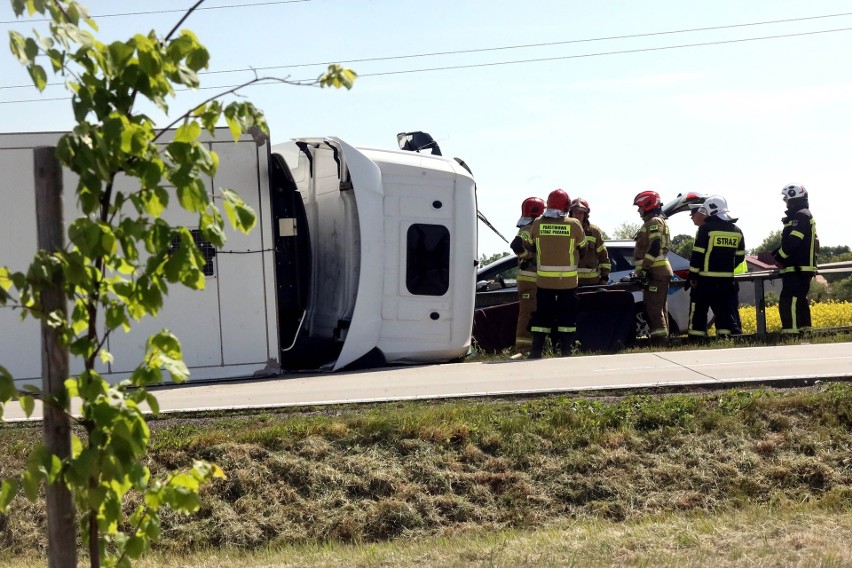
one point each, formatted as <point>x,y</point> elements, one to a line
<point>375,477</point>
<point>787,536</point>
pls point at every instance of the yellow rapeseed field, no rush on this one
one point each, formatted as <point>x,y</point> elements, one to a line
<point>823,315</point>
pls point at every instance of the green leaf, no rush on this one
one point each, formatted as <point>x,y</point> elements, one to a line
<point>17,45</point>
<point>135,546</point>
<point>120,53</point>
<point>153,403</point>
<point>27,404</point>
<point>240,215</point>
<point>39,76</point>
<point>76,446</point>
<point>188,132</point>
<point>8,490</point>
<point>155,200</point>
<point>105,356</point>
<point>31,483</point>
<point>338,77</point>
<point>30,48</point>
<point>7,385</point>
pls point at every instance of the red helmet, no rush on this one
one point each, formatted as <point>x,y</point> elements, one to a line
<point>532,207</point>
<point>581,204</point>
<point>558,199</point>
<point>648,200</point>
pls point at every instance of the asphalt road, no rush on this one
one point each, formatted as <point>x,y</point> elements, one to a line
<point>638,370</point>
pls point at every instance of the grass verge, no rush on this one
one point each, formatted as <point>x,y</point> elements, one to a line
<point>371,478</point>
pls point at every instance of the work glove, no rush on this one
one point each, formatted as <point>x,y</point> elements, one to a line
<point>693,282</point>
<point>604,280</point>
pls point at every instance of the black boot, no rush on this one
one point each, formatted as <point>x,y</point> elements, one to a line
<point>566,344</point>
<point>537,345</point>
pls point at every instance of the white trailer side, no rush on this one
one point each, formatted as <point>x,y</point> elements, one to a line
<point>226,330</point>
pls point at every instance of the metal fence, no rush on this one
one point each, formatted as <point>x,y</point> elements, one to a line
<point>760,277</point>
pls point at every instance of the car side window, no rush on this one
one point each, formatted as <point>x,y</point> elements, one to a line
<point>618,257</point>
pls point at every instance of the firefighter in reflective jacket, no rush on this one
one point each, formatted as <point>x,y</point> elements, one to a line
<point>796,257</point>
<point>557,242</point>
<point>594,266</point>
<point>650,257</point>
<point>718,250</point>
<point>531,208</point>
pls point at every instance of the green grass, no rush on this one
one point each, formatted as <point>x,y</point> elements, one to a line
<point>374,477</point>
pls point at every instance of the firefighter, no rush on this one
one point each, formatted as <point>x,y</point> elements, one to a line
<point>718,250</point>
<point>594,266</point>
<point>557,243</point>
<point>796,257</point>
<point>652,264</point>
<point>531,208</point>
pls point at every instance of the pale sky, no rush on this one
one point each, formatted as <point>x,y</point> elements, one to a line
<point>741,119</point>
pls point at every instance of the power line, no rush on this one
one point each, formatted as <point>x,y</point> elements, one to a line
<point>517,61</point>
<point>490,49</point>
<point>545,44</point>
<point>150,12</point>
<point>602,53</point>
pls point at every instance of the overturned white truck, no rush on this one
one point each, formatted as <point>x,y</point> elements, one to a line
<point>360,256</point>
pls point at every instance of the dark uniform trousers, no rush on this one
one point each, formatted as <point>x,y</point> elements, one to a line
<point>556,311</point>
<point>720,295</point>
<point>793,306</point>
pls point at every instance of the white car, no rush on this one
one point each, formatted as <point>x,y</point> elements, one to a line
<point>496,285</point>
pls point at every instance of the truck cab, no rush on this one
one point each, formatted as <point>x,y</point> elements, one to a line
<point>374,254</point>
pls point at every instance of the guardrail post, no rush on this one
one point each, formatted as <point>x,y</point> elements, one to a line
<point>760,307</point>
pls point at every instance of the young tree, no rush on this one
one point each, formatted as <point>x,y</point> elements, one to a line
<point>627,230</point>
<point>119,263</point>
<point>682,245</point>
<point>770,243</point>
<point>486,259</point>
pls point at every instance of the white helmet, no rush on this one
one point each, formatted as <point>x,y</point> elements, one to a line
<point>793,191</point>
<point>716,206</point>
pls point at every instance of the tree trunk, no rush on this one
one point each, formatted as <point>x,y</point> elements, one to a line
<point>61,527</point>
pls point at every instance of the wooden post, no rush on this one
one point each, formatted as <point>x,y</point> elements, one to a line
<point>61,526</point>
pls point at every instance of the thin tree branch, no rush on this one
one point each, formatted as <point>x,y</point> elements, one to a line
<point>182,20</point>
<point>228,92</point>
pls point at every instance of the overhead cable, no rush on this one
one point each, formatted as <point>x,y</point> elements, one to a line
<point>182,10</point>
<point>310,81</point>
<point>497,48</point>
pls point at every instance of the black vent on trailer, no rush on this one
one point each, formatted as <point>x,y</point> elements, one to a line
<point>206,248</point>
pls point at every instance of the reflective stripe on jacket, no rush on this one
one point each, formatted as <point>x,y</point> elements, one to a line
<point>595,263</point>
<point>556,243</point>
<point>799,242</point>
<point>652,246</point>
<point>719,248</point>
<point>522,245</point>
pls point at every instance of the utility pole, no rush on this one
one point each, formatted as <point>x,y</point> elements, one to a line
<point>61,526</point>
